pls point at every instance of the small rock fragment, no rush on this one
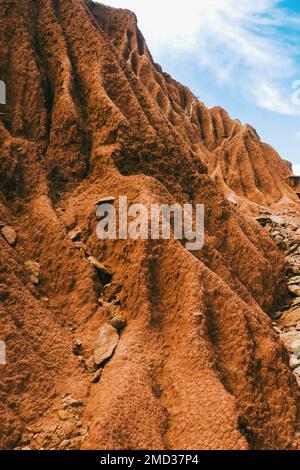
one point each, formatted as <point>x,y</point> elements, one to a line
<point>297,371</point>
<point>231,199</point>
<point>107,343</point>
<point>276,219</point>
<point>9,234</point>
<point>63,415</point>
<point>84,432</point>
<point>293,248</point>
<point>118,322</point>
<point>90,364</point>
<point>81,360</point>
<point>294,346</point>
<point>296,302</point>
<point>73,402</point>
<point>198,314</point>
<point>33,269</point>
<point>295,359</point>
<point>64,444</point>
<point>111,291</point>
<point>294,280</point>
<point>277,315</point>
<point>295,289</point>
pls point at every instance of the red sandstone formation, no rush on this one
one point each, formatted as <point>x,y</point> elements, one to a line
<point>193,361</point>
<point>294,182</point>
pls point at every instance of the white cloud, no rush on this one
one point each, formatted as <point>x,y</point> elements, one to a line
<point>244,43</point>
<point>296,169</point>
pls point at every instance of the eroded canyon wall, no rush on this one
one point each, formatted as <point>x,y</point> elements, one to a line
<point>198,364</point>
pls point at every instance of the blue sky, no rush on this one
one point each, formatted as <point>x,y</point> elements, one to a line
<point>243,55</point>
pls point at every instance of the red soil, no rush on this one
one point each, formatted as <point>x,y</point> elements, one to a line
<point>90,115</point>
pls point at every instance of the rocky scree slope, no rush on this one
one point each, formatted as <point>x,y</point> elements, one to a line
<point>284,228</point>
<point>123,344</point>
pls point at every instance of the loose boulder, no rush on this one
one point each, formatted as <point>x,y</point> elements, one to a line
<point>107,343</point>
<point>9,234</point>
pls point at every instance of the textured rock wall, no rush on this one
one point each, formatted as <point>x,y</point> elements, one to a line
<point>198,364</point>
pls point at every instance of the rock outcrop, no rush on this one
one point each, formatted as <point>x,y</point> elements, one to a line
<point>198,363</point>
<point>294,182</point>
<point>285,230</point>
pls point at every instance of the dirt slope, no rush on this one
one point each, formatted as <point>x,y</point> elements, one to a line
<point>198,364</point>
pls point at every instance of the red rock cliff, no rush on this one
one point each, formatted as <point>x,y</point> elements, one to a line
<point>198,364</point>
